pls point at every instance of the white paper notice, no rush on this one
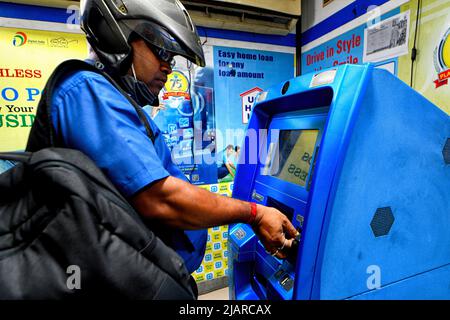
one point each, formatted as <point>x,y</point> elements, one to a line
<point>387,39</point>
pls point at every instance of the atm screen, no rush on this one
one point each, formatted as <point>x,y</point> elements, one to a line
<point>295,154</point>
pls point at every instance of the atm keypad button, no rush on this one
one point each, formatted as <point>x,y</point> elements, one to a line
<point>286,282</point>
<point>300,219</point>
<point>278,274</point>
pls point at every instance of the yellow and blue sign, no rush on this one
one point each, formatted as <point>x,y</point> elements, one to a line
<point>215,262</point>
<point>347,48</point>
<point>27,60</point>
<point>442,60</point>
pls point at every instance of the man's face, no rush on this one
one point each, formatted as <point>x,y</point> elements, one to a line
<point>148,67</point>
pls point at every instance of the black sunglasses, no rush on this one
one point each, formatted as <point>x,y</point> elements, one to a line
<point>163,54</point>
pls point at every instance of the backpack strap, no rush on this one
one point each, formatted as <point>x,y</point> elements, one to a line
<point>136,106</point>
<point>16,156</point>
<point>42,134</point>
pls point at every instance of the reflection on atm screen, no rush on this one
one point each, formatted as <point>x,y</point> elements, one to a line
<point>296,148</point>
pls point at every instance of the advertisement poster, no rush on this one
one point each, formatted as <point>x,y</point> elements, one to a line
<point>215,261</point>
<point>348,48</point>
<point>203,112</point>
<point>389,45</point>
<point>185,117</point>
<point>239,75</point>
<point>26,62</point>
<point>431,70</point>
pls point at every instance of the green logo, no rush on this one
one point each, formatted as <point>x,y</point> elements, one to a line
<point>20,39</point>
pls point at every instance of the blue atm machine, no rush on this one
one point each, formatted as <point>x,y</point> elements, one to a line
<point>360,163</point>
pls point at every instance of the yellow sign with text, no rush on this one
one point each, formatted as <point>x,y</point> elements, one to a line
<point>431,71</point>
<point>27,59</point>
<point>215,261</point>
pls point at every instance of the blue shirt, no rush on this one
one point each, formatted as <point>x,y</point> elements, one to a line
<point>92,116</point>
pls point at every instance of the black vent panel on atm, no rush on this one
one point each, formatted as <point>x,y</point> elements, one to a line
<point>446,151</point>
<point>382,221</point>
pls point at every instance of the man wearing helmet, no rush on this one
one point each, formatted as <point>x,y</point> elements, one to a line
<point>135,42</point>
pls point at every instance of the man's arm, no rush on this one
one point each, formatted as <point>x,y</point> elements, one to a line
<point>178,204</point>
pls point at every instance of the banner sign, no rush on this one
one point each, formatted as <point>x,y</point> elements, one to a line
<point>387,43</point>
<point>215,261</point>
<point>27,59</point>
<point>442,78</point>
<point>348,48</point>
<point>201,107</point>
<point>185,117</point>
<point>239,74</point>
<point>431,70</point>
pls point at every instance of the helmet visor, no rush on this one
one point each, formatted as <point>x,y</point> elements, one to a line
<point>160,38</point>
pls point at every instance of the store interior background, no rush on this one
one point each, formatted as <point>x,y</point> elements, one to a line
<point>249,46</point>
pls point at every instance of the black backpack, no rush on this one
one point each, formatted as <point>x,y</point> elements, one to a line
<point>66,232</point>
<point>191,245</point>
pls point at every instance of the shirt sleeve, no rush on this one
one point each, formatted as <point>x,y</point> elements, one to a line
<point>92,116</point>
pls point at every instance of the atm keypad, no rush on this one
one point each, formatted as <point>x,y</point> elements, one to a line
<point>284,279</point>
<point>286,282</point>
<point>300,219</point>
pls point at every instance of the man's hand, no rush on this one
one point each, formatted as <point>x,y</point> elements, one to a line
<point>274,230</point>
